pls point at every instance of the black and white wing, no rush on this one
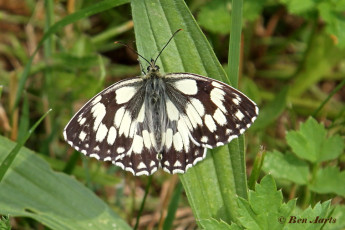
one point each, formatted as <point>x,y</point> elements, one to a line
<point>109,127</point>
<point>195,113</point>
<point>202,113</point>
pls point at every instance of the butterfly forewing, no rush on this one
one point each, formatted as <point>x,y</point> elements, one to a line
<point>106,127</point>
<point>192,113</point>
<point>217,113</point>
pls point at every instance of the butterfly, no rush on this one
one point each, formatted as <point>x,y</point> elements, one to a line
<point>157,121</point>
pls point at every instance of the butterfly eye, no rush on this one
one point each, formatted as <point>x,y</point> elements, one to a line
<point>157,67</point>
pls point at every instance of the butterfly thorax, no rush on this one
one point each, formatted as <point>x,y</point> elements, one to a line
<point>155,112</point>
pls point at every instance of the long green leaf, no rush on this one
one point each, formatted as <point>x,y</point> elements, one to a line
<point>30,188</point>
<point>209,185</point>
<point>236,147</point>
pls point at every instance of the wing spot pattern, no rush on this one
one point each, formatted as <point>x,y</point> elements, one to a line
<point>209,122</point>
<point>111,135</point>
<point>98,112</point>
<point>101,132</point>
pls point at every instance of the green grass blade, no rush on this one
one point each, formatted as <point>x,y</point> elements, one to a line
<point>24,123</point>
<point>32,189</point>
<point>235,42</point>
<point>209,185</point>
<point>257,166</point>
<point>112,32</point>
<point>236,147</point>
<point>12,155</point>
<point>334,91</point>
<point>168,222</point>
<point>88,11</point>
<point>142,205</point>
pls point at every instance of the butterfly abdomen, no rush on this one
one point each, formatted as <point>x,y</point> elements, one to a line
<point>156,110</point>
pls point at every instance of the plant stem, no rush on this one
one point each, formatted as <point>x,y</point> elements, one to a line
<point>236,147</point>
<point>143,202</point>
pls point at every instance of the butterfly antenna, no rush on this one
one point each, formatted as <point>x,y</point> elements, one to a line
<point>167,44</point>
<point>124,44</point>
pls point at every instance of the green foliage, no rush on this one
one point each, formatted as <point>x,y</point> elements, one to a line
<point>339,215</point>
<point>331,11</point>
<point>310,145</point>
<point>329,180</point>
<point>7,162</point>
<point>265,209</point>
<point>252,9</point>
<point>58,201</point>
<point>264,206</point>
<point>215,15</point>
<point>286,166</point>
<point>299,7</point>
<point>311,142</point>
<point>212,224</point>
<point>5,223</point>
<point>311,218</point>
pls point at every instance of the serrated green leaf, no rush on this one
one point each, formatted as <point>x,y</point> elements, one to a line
<point>247,216</point>
<point>286,166</point>
<point>338,219</point>
<point>267,189</point>
<point>213,224</point>
<point>5,223</point>
<point>329,180</point>
<point>309,218</point>
<point>311,143</point>
<point>264,207</point>
<point>266,202</point>
<point>31,189</point>
<point>215,16</point>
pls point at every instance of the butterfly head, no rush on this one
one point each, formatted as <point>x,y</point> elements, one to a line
<point>152,68</point>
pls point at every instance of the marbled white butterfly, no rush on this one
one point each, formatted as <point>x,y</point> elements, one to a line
<point>159,121</point>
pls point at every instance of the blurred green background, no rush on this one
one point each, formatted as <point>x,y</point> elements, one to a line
<point>291,64</point>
